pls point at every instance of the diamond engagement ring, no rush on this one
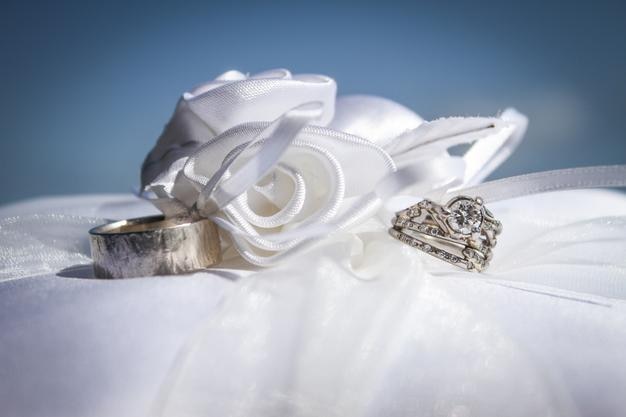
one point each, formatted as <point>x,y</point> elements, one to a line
<point>462,232</point>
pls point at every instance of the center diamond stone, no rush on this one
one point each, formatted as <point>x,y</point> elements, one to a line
<point>465,216</point>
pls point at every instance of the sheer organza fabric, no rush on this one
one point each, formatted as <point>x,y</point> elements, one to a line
<point>361,325</point>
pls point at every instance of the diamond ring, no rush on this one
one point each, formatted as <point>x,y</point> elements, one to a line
<point>462,232</point>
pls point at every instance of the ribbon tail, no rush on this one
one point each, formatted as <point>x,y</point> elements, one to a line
<point>605,176</point>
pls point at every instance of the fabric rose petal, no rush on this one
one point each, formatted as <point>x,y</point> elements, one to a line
<point>277,161</point>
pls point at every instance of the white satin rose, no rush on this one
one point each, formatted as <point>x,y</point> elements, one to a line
<point>278,161</point>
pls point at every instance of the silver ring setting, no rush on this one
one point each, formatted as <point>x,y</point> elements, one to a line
<point>154,245</point>
<point>462,232</point>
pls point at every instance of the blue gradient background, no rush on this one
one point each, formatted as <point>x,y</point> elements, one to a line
<point>86,87</point>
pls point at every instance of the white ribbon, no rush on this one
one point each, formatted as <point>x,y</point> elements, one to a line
<point>606,176</point>
<point>278,162</point>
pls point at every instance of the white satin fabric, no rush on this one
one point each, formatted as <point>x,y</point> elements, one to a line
<point>361,326</point>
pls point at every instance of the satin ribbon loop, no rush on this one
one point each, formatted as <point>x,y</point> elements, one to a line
<point>270,145</point>
<point>492,139</point>
<point>487,154</point>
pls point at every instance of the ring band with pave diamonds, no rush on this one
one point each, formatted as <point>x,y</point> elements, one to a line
<point>462,232</point>
<point>154,245</point>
